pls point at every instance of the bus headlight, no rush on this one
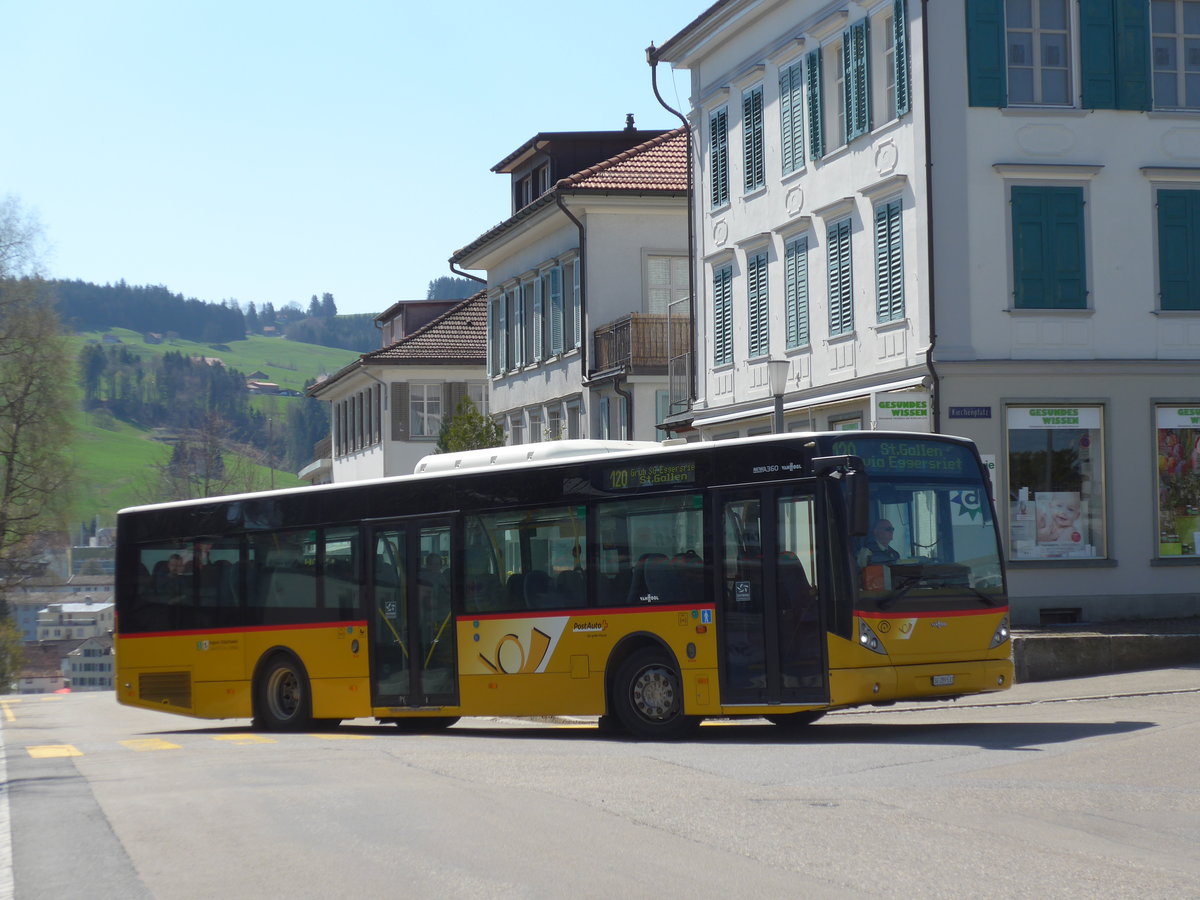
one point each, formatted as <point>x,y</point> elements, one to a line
<point>868,640</point>
<point>1001,634</point>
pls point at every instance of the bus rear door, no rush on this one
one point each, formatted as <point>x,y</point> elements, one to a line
<point>771,620</point>
<point>410,596</point>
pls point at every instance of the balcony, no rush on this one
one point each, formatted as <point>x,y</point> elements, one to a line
<point>639,344</point>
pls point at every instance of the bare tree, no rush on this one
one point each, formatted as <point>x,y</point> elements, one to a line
<point>204,463</point>
<point>35,394</point>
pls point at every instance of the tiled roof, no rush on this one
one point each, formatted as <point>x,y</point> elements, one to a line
<point>660,164</point>
<point>457,337</point>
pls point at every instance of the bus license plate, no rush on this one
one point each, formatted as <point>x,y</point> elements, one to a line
<point>943,680</point>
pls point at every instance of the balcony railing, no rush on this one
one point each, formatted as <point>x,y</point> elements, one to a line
<point>639,343</point>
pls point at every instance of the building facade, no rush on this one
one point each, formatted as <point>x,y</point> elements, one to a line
<point>387,407</point>
<point>979,218</point>
<point>581,280</point>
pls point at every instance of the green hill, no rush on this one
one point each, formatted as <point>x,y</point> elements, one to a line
<point>117,463</point>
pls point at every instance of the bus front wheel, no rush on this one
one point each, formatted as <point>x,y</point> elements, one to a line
<point>284,702</point>
<point>648,697</point>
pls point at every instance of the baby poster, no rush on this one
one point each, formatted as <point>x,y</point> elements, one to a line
<point>1061,519</point>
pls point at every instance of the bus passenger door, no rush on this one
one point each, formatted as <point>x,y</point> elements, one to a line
<point>411,614</point>
<point>771,622</point>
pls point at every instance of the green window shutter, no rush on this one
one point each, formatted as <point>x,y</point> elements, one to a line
<point>577,303</point>
<point>491,343</point>
<point>538,326</point>
<point>796,292</point>
<point>519,326</point>
<point>458,390</point>
<point>502,357</point>
<point>855,82</point>
<point>556,320</point>
<point>1097,57</point>
<point>791,120</point>
<point>718,127</point>
<point>757,305</point>
<point>723,316</point>
<point>987,79</point>
<point>1114,54</point>
<point>900,61</point>
<point>399,411</point>
<point>816,134</point>
<point>1179,249</point>
<point>1048,248</point>
<point>1133,54</point>
<point>753,175</point>
<point>889,263</point>
<point>841,294</point>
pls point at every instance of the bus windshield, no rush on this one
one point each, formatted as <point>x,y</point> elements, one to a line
<point>932,541</point>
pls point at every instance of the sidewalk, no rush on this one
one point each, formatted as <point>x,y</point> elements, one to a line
<point>1072,651</point>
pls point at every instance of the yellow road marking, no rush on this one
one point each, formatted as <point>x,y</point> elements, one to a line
<point>143,744</point>
<point>8,713</point>
<point>343,737</point>
<point>244,738</point>
<point>50,751</point>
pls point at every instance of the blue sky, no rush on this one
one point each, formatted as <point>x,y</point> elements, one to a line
<point>266,151</point>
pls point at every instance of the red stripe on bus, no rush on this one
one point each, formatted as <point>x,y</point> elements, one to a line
<point>926,614</point>
<point>586,611</point>
<point>244,630</point>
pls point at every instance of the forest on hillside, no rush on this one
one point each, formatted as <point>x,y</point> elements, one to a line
<point>84,306</point>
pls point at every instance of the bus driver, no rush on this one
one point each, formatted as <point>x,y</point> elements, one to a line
<point>878,549</point>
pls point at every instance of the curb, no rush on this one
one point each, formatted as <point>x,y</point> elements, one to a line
<point>1039,657</point>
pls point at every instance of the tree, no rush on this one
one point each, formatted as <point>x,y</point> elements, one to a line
<point>203,464</point>
<point>252,325</point>
<point>448,288</point>
<point>12,654</point>
<point>34,401</point>
<point>314,308</point>
<point>468,429</point>
<point>328,307</point>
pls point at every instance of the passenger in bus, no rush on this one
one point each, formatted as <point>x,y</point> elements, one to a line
<point>878,549</point>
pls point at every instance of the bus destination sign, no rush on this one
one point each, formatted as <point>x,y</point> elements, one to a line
<point>900,457</point>
<point>634,477</point>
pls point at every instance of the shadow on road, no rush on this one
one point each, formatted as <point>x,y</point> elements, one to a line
<point>985,735</point>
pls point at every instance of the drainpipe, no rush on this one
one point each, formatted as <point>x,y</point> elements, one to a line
<point>652,59</point>
<point>461,274</point>
<point>583,335</point>
<point>935,388</point>
<point>628,406</point>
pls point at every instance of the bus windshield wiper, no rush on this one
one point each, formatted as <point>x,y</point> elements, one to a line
<point>921,579</point>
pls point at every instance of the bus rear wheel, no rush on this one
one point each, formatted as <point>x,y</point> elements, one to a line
<point>284,702</point>
<point>647,697</point>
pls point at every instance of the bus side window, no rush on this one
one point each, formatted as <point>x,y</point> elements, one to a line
<point>659,535</point>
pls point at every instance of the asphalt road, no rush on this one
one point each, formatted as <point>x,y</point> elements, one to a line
<point>1083,788</point>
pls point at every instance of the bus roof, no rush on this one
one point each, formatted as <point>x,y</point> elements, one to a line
<point>520,453</point>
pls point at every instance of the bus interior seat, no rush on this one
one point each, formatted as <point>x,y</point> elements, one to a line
<point>638,588</point>
<point>537,590</point>
<point>572,587</point>
<point>516,590</point>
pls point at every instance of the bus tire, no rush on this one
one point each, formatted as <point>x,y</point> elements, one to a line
<point>425,724</point>
<point>647,697</point>
<point>283,700</point>
<point>795,721</point>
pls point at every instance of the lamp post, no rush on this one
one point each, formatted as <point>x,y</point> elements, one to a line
<point>777,376</point>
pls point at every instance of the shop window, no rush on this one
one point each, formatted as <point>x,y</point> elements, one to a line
<point>1056,482</point>
<point>1178,441</point>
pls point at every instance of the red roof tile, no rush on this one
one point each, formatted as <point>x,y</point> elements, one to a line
<point>660,164</point>
<point>457,337</point>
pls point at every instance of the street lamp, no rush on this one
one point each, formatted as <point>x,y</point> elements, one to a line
<point>777,376</point>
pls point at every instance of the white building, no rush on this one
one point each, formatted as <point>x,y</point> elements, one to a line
<point>580,280</point>
<point>75,619</point>
<point>387,406</point>
<point>940,227</point>
<point>89,667</point>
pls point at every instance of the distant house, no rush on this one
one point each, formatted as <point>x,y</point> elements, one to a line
<point>152,337</point>
<point>262,387</point>
<point>258,375</point>
<point>388,405</point>
<point>42,672</point>
<point>89,667</point>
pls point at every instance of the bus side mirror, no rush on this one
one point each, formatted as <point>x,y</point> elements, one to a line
<point>851,471</point>
<point>858,499</point>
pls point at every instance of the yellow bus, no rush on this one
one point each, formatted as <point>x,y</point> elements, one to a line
<point>649,585</point>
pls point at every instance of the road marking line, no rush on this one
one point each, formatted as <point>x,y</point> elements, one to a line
<point>50,751</point>
<point>8,713</point>
<point>6,858</point>
<point>143,744</point>
<point>343,737</point>
<point>244,738</point>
